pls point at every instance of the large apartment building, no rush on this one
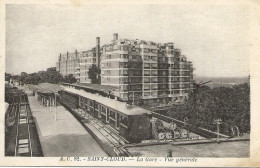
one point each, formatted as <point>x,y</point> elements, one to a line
<point>78,63</point>
<point>144,72</point>
<point>69,64</point>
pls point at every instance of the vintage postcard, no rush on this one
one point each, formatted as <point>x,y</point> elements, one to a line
<point>130,83</point>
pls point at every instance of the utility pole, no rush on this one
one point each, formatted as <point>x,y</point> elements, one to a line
<point>217,122</point>
<point>55,99</point>
<point>133,98</point>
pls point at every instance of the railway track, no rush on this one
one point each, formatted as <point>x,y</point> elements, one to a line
<point>117,141</point>
<point>21,136</point>
<point>197,130</point>
<point>23,145</point>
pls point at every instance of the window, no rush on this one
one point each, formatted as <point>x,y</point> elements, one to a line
<point>146,80</point>
<point>146,73</point>
<point>154,93</point>
<point>154,87</point>
<point>138,87</point>
<point>154,66</point>
<point>103,109</point>
<point>108,64</point>
<point>146,50</point>
<point>154,79</point>
<point>154,51</point>
<point>154,73</point>
<point>146,94</point>
<point>124,120</point>
<point>146,65</point>
<point>124,79</point>
<point>147,57</point>
<point>176,92</point>
<point>146,87</point>
<point>154,58</point>
<point>124,88</point>
<point>112,114</point>
<point>124,48</point>
<point>124,56</point>
<point>123,64</point>
<point>138,57</point>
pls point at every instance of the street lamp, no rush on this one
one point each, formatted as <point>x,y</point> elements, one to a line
<point>217,122</point>
<point>55,99</point>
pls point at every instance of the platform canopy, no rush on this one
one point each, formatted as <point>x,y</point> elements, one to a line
<point>45,88</point>
<point>95,87</point>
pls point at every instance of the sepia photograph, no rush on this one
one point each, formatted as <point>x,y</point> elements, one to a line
<point>127,80</point>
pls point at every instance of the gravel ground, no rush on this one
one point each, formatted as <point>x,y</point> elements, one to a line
<point>225,149</point>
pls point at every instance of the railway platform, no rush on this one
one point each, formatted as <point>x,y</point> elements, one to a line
<point>64,136</point>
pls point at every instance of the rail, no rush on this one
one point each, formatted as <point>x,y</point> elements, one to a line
<point>23,146</point>
<point>197,130</point>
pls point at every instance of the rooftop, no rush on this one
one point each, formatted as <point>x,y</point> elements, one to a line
<point>97,87</point>
<point>119,106</point>
<point>45,87</point>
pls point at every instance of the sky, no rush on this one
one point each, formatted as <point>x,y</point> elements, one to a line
<point>215,38</point>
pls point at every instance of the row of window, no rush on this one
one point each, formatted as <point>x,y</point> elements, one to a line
<point>178,73</point>
<point>101,109</point>
<point>150,73</point>
<point>147,57</point>
<point>88,60</point>
<point>148,80</point>
<point>152,65</point>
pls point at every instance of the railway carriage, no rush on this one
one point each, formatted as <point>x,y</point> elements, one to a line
<point>132,123</point>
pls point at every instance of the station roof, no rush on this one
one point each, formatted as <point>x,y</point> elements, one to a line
<point>96,87</point>
<point>45,88</point>
<point>112,103</point>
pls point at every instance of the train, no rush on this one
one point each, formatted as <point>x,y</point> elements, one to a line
<point>131,122</point>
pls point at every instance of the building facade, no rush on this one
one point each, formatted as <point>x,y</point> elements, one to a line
<point>145,72</point>
<point>69,64</point>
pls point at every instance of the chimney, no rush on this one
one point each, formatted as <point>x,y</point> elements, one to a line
<point>115,35</point>
<point>67,55</point>
<point>76,53</point>
<point>60,57</point>
<point>98,50</point>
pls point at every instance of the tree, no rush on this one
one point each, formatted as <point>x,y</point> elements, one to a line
<point>231,104</point>
<point>7,76</point>
<point>70,79</point>
<point>94,74</point>
<point>49,76</point>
